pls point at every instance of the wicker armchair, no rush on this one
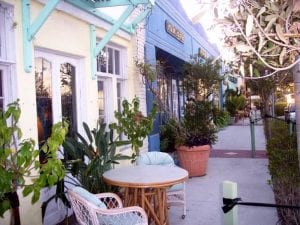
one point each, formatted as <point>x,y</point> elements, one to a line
<point>104,209</point>
<point>176,193</point>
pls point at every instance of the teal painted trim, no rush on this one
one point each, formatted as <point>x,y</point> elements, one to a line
<point>27,44</point>
<point>140,17</point>
<point>90,9</point>
<point>93,46</point>
<point>42,17</point>
<point>113,29</point>
<point>102,4</point>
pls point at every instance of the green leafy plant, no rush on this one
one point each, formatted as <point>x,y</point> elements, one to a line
<point>279,108</point>
<point>88,158</point>
<point>221,118</point>
<point>284,170</point>
<point>234,102</point>
<point>19,160</point>
<point>197,127</point>
<point>201,77</point>
<point>133,124</point>
<point>167,133</point>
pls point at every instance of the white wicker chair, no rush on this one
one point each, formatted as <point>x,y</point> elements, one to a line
<point>104,209</point>
<point>176,193</point>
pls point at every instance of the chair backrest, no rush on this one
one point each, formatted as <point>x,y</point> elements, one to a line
<point>83,203</point>
<point>91,211</point>
<point>155,158</point>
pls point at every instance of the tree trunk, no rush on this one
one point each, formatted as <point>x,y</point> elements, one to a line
<point>296,73</point>
<point>14,202</point>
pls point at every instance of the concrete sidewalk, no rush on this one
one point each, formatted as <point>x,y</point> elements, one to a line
<point>204,200</point>
<point>238,137</point>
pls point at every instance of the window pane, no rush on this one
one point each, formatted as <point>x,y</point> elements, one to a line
<point>68,96</point>
<point>119,97</point>
<point>101,100</point>
<point>43,88</point>
<point>110,61</point>
<point>117,62</point>
<point>102,61</point>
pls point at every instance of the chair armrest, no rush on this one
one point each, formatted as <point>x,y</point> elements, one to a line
<point>135,214</point>
<point>111,200</point>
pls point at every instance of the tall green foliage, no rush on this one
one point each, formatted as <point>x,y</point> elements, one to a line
<point>19,160</point>
<point>202,77</point>
<point>90,157</point>
<point>234,102</point>
<point>197,126</point>
<point>284,170</point>
<point>133,124</point>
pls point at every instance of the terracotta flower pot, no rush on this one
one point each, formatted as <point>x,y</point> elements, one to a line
<point>194,159</point>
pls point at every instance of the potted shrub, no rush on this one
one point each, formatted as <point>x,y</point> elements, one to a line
<point>20,166</point>
<point>195,134</point>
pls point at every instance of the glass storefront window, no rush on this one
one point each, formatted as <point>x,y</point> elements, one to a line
<point>101,104</point>
<point>43,87</point>
<point>68,95</point>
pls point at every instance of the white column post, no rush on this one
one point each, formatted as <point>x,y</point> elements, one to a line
<point>230,191</point>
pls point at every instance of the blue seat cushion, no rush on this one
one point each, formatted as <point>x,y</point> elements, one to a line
<point>89,197</point>
<point>155,158</point>
<point>176,187</point>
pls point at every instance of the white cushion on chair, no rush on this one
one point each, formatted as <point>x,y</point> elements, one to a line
<point>89,197</point>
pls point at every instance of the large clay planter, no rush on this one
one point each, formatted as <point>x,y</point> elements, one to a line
<point>194,159</point>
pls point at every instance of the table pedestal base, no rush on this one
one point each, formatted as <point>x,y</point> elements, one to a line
<point>152,200</point>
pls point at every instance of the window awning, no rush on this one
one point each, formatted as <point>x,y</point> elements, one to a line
<point>95,7</point>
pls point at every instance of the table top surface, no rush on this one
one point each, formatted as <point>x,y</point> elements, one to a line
<point>142,176</point>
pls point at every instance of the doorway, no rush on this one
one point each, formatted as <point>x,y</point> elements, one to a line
<point>56,83</point>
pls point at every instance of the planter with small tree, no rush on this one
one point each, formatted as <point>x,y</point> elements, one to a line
<point>195,135</point>
<point>196,132</point>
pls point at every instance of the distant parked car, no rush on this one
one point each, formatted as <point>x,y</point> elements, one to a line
<point>290,112</point>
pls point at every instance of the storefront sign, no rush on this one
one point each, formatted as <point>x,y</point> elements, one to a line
<point>174,31</point>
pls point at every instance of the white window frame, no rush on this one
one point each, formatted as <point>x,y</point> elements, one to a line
<point>56,59</point>
<point>110,84</point>
<point>7,56</point>
<point>104,80</point>
<point>7,37</point>
<point>6,85</point>
<point>123,60</point>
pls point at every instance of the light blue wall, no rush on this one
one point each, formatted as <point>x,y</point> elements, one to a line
<point>156,36</point>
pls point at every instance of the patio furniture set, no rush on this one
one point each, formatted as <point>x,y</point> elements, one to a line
<point>149,188</point>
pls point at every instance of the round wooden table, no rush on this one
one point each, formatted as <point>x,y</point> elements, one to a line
<point>146,185</point>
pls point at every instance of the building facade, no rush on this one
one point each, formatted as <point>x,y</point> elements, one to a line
<point>172,39</point>
<point>53,70</point>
